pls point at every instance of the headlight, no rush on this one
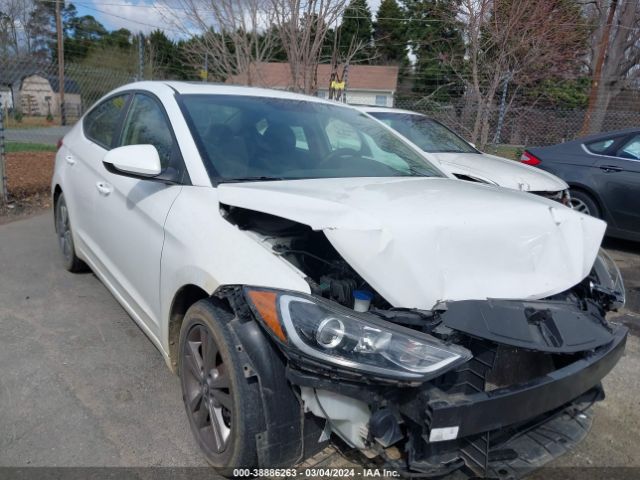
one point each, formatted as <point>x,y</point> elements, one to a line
<point>325,332</point>
<point>608,280</point>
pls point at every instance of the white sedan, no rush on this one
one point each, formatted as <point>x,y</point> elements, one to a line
<point>307,274</point>
<point>456,156</point>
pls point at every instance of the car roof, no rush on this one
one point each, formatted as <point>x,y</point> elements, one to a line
<point>194,88</point>
<point>603,135</point>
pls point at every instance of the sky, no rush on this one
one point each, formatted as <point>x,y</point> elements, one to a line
<point>138,15</point>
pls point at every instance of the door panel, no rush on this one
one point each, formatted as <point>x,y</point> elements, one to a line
<point>619,181</point>
<point>131,214</point>
<point>84,157</point>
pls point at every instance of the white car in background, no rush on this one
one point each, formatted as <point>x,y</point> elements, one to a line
<point>461,159</point>
<point>307,273</point>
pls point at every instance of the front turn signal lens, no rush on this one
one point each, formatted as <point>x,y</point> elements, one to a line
<point>265,303</point>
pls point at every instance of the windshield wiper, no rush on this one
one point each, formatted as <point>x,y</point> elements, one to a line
<point>251,179</point>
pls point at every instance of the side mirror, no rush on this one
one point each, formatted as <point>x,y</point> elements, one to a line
<point>138,161</point>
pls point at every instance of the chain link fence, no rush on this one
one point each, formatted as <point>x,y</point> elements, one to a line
<point>33,120</point>
<point>522,126</point>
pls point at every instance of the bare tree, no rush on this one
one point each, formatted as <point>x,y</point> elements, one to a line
<point>519,41</point>
<point>14,26</point>
<point>232,35</point>
<point>615,53</point>
<point>303,26</point>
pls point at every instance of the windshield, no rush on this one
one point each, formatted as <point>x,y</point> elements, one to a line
<point>244,138</point>
<point>429,135</point>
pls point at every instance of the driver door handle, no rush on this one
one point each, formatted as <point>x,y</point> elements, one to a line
<point>70,160</point>
<point>610,168</point>
<point>103,188</point>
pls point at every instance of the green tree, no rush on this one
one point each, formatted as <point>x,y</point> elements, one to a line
<point>120,38</point>
<point>436,41</point>
<point>160,52</point>
<point>390,34</point>
<point>41,29</point>
<point>81,34</point>
<point>356,30</point>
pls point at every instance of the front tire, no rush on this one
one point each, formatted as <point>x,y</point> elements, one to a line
<point>223,406</point>
<point>65,237</point>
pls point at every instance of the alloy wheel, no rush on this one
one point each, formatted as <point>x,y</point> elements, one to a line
<point>580,206</point>
<point>63,230</point>
<point>207,389</point>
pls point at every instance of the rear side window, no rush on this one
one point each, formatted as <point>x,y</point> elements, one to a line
<point>101,123</point>
<point>600,146</point>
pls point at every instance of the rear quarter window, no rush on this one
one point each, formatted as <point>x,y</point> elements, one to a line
<point>600,146</point>
<point>101,123</point>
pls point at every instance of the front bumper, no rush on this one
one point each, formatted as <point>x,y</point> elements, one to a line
<point>501,433</point>
<point>485,411</point>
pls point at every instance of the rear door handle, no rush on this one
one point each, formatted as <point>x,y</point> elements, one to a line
<point>610,168</point>
<point>103,188</point>
<point>70,160</point>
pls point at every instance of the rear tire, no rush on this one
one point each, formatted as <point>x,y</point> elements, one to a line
<point>584,203</point>
<point>223,406</point>
<point>65,237</point>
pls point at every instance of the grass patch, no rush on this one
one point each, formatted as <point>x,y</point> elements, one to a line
<point>512,152</point>
<point>13,147</point>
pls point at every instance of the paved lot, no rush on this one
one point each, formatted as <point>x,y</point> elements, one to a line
<point>81,385</point>
<point>48,135</point>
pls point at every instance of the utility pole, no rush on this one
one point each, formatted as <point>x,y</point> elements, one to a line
<point>63,116</point>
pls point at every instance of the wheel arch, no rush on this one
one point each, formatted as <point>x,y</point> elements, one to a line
<point>184,297</point>
<point>57,190</point>
<point>592,193</point>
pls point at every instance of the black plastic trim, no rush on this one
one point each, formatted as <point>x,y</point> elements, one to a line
<point>485,411</point>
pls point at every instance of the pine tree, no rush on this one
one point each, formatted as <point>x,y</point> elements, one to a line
<point>356,29</point>
<point>436,41</point>
<point>390,34</point>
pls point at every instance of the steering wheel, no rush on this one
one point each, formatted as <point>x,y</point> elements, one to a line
<point>338,154</point>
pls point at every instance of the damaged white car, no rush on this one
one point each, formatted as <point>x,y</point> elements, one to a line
<point>310,276</point>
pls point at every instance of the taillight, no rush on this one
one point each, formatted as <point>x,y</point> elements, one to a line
<point>529,159</point>
<point>59,144</point>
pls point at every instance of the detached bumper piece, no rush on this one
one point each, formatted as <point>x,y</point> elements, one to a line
<point>472,422</point>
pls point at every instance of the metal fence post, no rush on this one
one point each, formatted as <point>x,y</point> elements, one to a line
<point>4,194</point>
<point>140,57</point>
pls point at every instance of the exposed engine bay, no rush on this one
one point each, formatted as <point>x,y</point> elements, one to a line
<point>519,366</point>
<point>327,273</point>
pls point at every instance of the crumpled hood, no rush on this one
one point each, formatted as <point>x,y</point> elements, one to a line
<point>418,241</point>
<point>504,172</point>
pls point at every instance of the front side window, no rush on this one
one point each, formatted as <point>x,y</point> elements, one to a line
<point>146,124</point>
<point>428,134</point>
<point>101,123</point>
<point>631,149</point>
<point>245,138</point>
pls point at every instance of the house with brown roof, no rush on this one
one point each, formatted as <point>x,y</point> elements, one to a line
<point>366,84</point>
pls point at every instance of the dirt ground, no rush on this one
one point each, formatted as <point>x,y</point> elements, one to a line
<point>28,181</point>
